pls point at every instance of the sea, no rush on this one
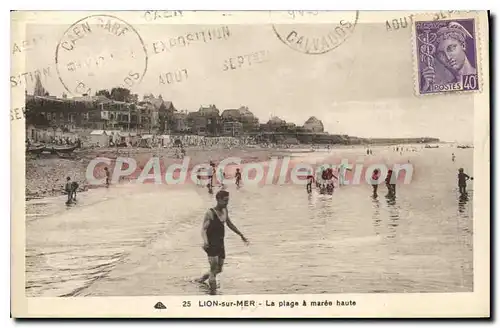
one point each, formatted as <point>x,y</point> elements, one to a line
<point>145,239</point>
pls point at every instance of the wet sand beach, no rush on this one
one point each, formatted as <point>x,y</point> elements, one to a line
<point>131,240</point>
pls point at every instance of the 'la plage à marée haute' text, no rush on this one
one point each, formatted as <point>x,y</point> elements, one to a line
<point>280,304</point>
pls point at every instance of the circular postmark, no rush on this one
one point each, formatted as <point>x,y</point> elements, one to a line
<point>100,52</point>
<point>314,32</point>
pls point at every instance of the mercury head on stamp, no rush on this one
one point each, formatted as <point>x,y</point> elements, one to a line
<point>446,52</point>
<point>98,51</point>
<point>333,29</point>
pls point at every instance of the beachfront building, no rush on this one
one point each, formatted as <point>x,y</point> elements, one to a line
<point>64,113</point>
<point>206,121</point>
<point>243,115</point>
<point>232,129</point>
<point>276,124</point>
<point>167,118</point>
<point>119,115</point>
<point>314,125</point>
<point>158,115</point>
<point>180,122</point>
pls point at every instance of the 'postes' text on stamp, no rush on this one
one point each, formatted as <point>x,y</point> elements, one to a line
<point>446,54</point>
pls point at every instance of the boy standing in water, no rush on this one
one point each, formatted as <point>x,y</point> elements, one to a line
<point>375,176</point>
<point>310,181</point>
<point>213,234</point>
<point>391,186</point>
<point>342,172</point>
<point>462,181</point>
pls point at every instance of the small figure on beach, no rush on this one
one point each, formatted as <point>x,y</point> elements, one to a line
<point>213,233</point>
<point>222,176</point>
<point>453,157</point>
<point>238,177</point>
<point>108,180</point>
<point>342,171</point>
<point>198,177</point>
<point>462,181</point>
<point>391,185</point>
<point>375,177</point>
<point>310,181</point>
<point>74,188</point>
<point>69,190</point>
<point>328,184</point>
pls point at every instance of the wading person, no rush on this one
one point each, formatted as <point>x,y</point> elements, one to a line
<point>310,181</point>
<point>462,181</point>
<point>391,186</point>
<point>342,172</point>
<point>375,176</point>
<point>213,233</point>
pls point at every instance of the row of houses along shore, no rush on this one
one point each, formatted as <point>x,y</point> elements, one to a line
<point>154,115</point>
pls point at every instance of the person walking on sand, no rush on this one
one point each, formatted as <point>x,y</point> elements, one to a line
<point>238,177</point>
<point>69,190</point>
<point>106,170</point>
<point>462,181</point>
<point>74,188</point>
<point>453,157</point>
<point>213,233</point>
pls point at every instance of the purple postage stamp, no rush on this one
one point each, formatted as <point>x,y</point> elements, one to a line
<point>447,57</point>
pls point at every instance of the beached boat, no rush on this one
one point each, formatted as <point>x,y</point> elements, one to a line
<point>429,146</point>
<point>463,147</point>
<point>35,149</point>
<point>54,149</point>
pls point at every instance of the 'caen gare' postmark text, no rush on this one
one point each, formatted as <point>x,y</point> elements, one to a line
<point>81,71</point>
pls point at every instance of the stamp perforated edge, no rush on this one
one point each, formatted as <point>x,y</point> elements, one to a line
<point>476,16</point>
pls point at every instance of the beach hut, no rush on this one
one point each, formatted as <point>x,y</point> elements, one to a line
<point>146,141</point>
<point>123,138</point>
<point>134,138</point>
<point>178,143</point>
<point>99,137</point>
<point>165,140</point>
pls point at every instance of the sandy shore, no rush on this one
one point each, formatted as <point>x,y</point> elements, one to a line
<point>46,175</point>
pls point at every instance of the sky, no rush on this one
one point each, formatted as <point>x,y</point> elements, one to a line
<point>364,87</point>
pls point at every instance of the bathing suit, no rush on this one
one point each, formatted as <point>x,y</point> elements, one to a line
<point>215,234</point>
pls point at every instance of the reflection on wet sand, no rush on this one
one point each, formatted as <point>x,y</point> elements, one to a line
<point>376,214</point>
<point>463,199</point>
<point>393,215</point>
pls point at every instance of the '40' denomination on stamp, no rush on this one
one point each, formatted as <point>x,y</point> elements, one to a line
<point>447,56</point>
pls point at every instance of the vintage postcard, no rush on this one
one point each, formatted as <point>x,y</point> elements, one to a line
<point>314,164</point>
